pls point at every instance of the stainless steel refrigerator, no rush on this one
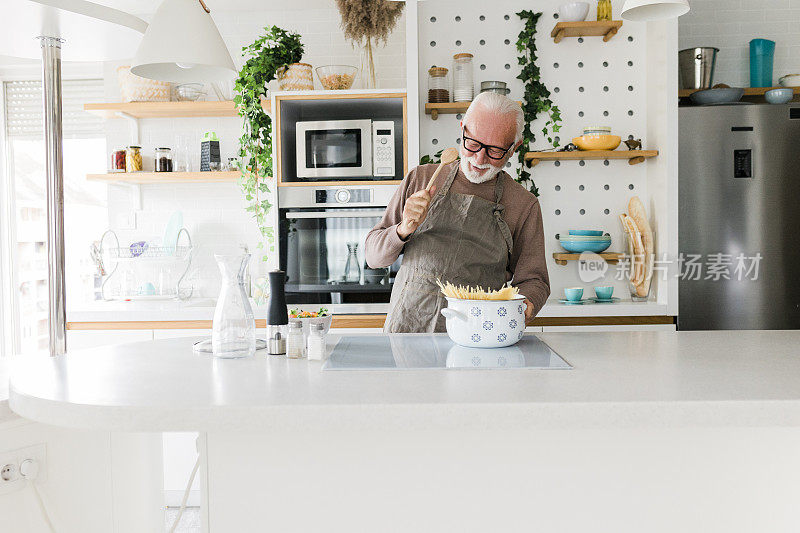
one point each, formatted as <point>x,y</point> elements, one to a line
<point>739,198</point>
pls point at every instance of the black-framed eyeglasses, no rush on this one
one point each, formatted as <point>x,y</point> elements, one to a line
<point>475,146</point>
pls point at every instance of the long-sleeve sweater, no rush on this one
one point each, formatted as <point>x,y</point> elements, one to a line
<point>527,268</point>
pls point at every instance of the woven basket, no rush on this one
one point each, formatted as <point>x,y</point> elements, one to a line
<point>136,89</point>
<point>296,77</point>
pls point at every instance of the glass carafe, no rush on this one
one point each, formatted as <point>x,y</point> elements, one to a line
<point>233,332</point>
<point>352,270</point>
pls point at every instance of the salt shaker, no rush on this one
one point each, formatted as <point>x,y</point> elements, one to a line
<point>316,343</point>
<point>295,343</point>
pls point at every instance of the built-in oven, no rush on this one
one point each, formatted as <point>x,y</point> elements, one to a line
<point>321,242</point>
<point>352,149</point>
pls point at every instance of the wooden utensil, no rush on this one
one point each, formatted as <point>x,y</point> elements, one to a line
<point>448,156</point>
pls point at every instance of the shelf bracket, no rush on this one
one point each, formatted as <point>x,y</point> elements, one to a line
<point>533,162</point>
<point>559,36</point>
<point>134,124</point>
<point>434,114</point>
<point>636,160</point>
<point>136,193</point>
<point>611,32</point>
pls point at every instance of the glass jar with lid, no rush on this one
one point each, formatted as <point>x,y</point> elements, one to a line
<point>463,86</point>
<point>163,160</point>
<point>438,85</point>
<point>118,160</point>
<point>133,158</point>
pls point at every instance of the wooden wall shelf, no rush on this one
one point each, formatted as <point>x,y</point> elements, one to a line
<point>748,91</point>
<point>634,157</point>
<point>163,109</point>
<point>142,178</point>
<point>563,258</point>
<point>606,29</point>
<point>448,108</point>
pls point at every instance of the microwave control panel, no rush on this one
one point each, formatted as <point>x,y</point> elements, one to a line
<point>383,148</point>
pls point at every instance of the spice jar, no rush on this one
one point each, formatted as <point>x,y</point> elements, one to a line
<point>295,342</point>
<point>463,86</point>
<point>603,9</point>
<point>118,160</point>
<point>133,158</point>
<point>438,85</point>
<point>163,160</point>
<point>316,343</point>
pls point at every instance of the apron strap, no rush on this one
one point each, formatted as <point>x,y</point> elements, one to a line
<point>498,214</point>
<point>451,176</point>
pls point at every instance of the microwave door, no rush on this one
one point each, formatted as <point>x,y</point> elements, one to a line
<point>334,149</point>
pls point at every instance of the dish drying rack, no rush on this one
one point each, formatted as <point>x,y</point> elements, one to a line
<point>160,258</point>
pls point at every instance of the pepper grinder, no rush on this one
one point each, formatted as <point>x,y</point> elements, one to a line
<point>277,317</point>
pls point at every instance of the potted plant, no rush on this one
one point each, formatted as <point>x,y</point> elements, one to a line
<point>272,51</point>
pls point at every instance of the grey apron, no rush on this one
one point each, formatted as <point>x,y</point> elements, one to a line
<point>463,240</point>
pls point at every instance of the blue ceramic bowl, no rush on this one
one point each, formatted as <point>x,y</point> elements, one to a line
<point>604,293</point>
<point>586,232</point>
<point>573,294</point>
<point>779,96</point>
<point>589,246</point>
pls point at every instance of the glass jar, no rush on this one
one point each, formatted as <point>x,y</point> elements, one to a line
<point>233,330</point>
<point>463,86</point>
<point>438,85</point>
<point>604,10</point>
<point>640,267</point>
<point>118,160</point>
<point>295,341</point>
<point>133,158</point>
<point>316,343</point>
<point>163,160</point>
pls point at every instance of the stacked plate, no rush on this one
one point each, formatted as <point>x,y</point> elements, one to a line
<point>597,130</point>
<point>581,242</point>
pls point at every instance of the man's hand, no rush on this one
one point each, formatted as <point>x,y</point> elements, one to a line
<point>528,310</point>
<point>414,212</point>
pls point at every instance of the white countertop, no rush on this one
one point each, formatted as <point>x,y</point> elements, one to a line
<point>203,309</point>
<point>625,380</point>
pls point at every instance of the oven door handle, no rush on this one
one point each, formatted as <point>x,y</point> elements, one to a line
<point>334,214</point>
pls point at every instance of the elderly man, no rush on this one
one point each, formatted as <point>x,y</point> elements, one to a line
<point>476,226</point>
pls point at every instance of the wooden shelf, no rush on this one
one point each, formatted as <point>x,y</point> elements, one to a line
<point>141,178</point>
<point>563,258</point>
<point>605,29</point>
<point>634,157</point>
<point>163,109</point>
<point>447,108</point>
<point>748,91</point>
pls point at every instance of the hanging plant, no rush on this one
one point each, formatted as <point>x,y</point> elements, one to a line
<point>269,53</point>
<point>536,99</point>
<point>368,23</point>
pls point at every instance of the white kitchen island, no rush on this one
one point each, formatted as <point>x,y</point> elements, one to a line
<point>649,431</point>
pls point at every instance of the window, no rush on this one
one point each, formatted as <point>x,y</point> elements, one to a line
<point>25,300</point>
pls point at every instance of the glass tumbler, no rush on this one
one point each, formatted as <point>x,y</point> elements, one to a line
<point>233,332</point>
<point>640,265</point>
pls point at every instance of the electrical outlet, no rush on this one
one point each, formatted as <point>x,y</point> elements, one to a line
<point>10,478</point>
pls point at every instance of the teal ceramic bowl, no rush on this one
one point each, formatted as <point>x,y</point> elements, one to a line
<point>573,294</point>
<point>604,293</point>
<point>585,246</point>
<point>586,232</point>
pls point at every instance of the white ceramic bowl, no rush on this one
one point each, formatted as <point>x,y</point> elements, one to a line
<point>573,11</point>
<point>779,96</point>
<point>485,323</point>
<point>790,80</point>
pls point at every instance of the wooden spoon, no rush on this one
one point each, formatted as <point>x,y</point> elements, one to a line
<point>448,156</point>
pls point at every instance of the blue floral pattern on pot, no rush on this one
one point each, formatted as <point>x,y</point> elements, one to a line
<point>502,311</point>
<point>475,311</point>
<point>521,308</point>
<point>476,361</point>
<point>502,337</point>
<point>488,325</point>
<point>519,337</point>
<point>512,324</point>
<point>476,337</point>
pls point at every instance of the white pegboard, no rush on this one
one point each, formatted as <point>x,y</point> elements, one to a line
<point>591,81</point>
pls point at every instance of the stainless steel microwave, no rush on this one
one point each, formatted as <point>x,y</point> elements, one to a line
<point>345,149</point>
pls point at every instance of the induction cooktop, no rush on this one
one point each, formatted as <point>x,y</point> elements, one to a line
<point>437,351</point>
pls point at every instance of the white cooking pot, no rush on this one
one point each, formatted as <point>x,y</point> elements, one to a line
<point>485,323</point>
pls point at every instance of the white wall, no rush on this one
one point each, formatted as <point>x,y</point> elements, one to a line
<point>730,25</point>
<point>215,214</point>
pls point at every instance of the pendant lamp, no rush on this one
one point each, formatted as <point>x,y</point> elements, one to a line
<point>182,44</point>
<point>645,10</point>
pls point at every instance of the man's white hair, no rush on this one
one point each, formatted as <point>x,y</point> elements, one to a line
<point>500,105</point>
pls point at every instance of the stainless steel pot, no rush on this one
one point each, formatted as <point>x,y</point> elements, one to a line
<point>697,67</point>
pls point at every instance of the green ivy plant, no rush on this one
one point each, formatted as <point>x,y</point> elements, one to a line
<point>266,55</point>
<point>537,97</point>
<point>428,159</point>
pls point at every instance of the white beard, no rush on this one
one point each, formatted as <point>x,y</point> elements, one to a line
<point>476,177</point>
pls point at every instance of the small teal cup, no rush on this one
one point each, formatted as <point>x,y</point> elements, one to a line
<point>604,293</point>
<point>573,294</point>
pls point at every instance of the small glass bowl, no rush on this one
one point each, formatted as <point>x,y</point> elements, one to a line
<point>189,92</point>
<point>337,77</point>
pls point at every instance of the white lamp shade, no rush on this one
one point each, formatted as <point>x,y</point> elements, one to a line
<point>182,44</point>
<point>644,10</point>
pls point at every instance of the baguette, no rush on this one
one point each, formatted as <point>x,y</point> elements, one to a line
<point>639,215</point>
<point>637,268</point>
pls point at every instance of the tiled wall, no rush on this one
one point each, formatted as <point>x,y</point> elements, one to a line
<point>730,25</point>
<point>215,214</point>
